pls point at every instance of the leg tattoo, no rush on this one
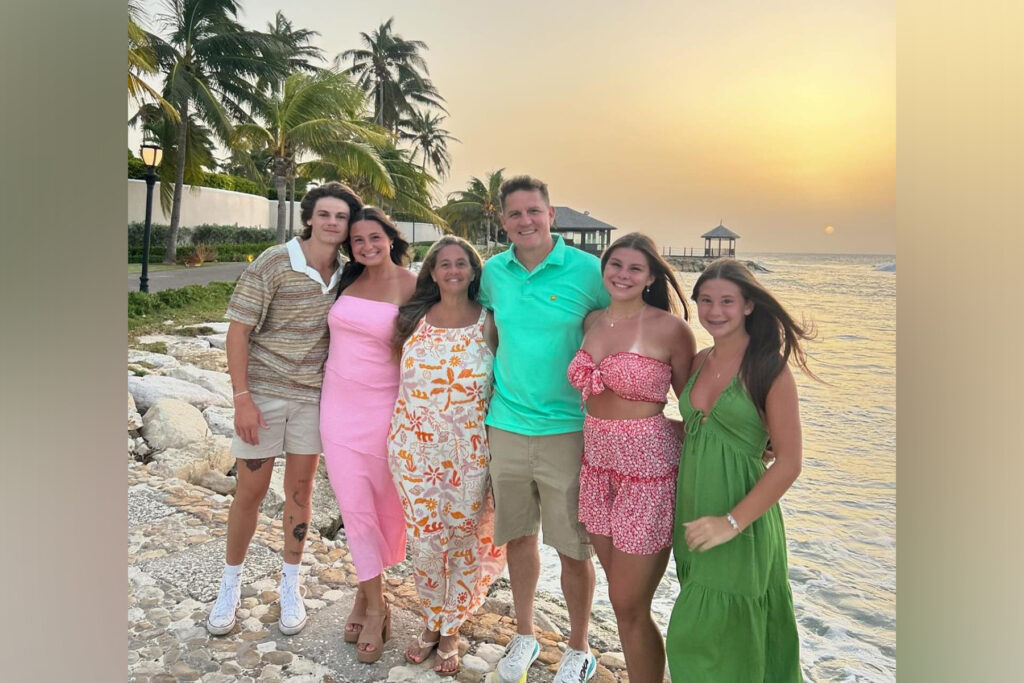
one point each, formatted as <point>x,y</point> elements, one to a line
<point>299,532</point>
<point>255,464</point>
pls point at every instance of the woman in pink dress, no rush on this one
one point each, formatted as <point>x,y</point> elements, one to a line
<point>358,398</point>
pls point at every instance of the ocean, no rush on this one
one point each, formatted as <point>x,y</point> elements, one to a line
<point>840,515</point>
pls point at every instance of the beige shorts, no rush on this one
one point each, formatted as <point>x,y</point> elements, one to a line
<point>536,486</point>
<point>292,427</point>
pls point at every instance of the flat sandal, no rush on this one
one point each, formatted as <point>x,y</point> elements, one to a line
<point>428,645</point>
<point>444,656</point>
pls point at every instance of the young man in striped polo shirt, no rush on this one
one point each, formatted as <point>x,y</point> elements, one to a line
<point>276,344</point>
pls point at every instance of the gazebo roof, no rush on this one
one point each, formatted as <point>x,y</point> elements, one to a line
<point>722,232</point>
<point>571,219</point>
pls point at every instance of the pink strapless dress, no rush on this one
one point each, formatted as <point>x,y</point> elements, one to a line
<point>356,403</point>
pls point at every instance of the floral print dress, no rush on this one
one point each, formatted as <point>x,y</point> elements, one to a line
<point>439,457</point>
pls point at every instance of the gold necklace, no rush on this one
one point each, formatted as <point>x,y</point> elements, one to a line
<point>612,321</point>
<point>718,373</point>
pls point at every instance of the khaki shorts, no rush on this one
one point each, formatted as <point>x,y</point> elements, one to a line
<point>292,427</point>
<point>536,486</point>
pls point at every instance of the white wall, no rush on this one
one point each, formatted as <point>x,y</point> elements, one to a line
<point>201,205</point>
<point>207,205</point>
<point>419,232</point>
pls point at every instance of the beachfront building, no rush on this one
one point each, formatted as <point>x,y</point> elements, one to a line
<point>717,236</point>
<point>581,230</point>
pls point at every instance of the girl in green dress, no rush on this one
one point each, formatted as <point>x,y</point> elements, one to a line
<point>733,620</point>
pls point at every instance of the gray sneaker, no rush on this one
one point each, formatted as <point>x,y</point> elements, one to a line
<point>520,653</point>
<point>577,666</point>
<point>222,615</point>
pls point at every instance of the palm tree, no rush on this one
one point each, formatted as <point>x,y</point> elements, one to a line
<point>157,124</point>
<point>424,131</point>
<point>210,63</point>
<point>142,62</point>
<point>296,52</point>
<point>394,72</point>
<point>318,114</point>
<point>477,208</point>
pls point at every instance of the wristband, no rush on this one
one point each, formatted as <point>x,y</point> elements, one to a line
<point>240,393</point>
<point>732,521</point>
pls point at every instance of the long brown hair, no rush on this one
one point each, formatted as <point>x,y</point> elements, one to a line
<point>427,293</point>
<point>658,294</point>
<point>399,245</point>
<point>774,335</point>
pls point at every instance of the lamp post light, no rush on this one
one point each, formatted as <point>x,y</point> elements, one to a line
<point>152,154</point>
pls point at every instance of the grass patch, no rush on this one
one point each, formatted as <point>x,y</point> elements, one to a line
<point>136,268</point>
<point>163,311</point>
<point>193,331</point>
<point>155,347</point>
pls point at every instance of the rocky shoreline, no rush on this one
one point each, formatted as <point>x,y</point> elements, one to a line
<point>180,481</point>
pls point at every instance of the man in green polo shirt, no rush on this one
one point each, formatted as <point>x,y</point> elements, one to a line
<point>540,290</point>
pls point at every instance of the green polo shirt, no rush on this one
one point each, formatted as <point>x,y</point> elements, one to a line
<point>539,316</point>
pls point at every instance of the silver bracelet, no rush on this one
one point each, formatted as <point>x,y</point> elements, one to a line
<point>732,521</point>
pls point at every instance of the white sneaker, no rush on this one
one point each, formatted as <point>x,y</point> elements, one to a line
<point>222,614</point>
<point>577,666</point>
<point>520,653</point>
<point>293,612</point>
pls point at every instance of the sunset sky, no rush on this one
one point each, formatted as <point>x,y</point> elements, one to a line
<point>662,116</point>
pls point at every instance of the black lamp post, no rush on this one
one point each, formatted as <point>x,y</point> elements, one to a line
<point>152,154</point>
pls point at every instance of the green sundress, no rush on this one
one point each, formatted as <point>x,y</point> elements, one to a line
<point>733,621</point>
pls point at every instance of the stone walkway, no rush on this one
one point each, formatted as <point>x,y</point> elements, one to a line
<point>160,280</point>
<point>176,540</point>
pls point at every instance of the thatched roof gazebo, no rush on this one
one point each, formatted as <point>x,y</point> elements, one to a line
<point>719,234</point>
<point>581,230</point>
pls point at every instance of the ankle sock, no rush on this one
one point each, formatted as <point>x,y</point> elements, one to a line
<point>232,572</point>
<point>289,571</point>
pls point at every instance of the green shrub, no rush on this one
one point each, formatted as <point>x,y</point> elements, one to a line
<point>157,235</point>
<point>234,183</point>
<point>136,168</point>
<point>230,234</point>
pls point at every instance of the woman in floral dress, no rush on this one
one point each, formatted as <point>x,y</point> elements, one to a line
<point>438,450</point>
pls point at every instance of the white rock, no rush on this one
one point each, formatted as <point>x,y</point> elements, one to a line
<point>475,664</point>
<point>215,481</point>
<point>131,446</point>
<point>269,646</point>
<point>147,390</point>
<point>221,420</point>
<point>613,660</point>
<point>544,622</point>
<point>141,447</point>
<point>313,603</point>
<point>252,624</point>
<point>159,361</point>
<point>490,653</point>
<point>217,382</point>
<point>174,342</point>
<point>333,595</point>
<point>193,461</point>
<point>173,423</point>
<point>217,341</point>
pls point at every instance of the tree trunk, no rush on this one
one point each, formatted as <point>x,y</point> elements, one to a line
<point>291,207</point>
<point>171,252</point>
<point>280,185</point>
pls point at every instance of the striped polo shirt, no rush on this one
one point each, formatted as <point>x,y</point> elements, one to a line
<point>286,302</point>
